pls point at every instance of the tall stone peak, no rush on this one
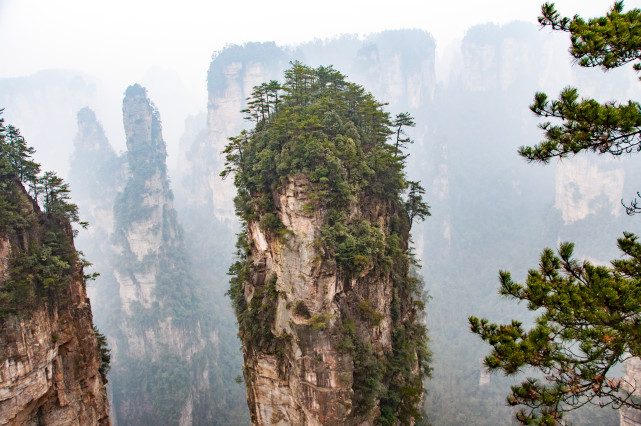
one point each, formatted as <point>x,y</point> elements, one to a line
<point>163,344</point>
<point>94,163</point>
<point>145,217</point>
<point>91,135</point>
<point>328,311</point>
<point>143,129</point>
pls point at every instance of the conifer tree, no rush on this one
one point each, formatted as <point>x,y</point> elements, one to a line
<point>401,120</point>
<point>415,206</point>
<point>590,316</point>
<point>585,124</point>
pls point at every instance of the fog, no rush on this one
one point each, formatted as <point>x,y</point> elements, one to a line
<point>469,94</point>
<point>167,45</point>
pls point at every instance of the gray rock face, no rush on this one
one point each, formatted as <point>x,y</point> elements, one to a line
<point>307,376</point>
<point>312,385</point>
<point>158,335</point>
<point>629,416</point>
<point>49,356</point>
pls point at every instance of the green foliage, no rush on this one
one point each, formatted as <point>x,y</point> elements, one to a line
<point>589,323</point>
<point>166,381</point>
<point>368,367</point>
<point>47,189</point>
<point>43,258</point>
<point>588,125</point>
<point>324,128</point>
<point>105,354</point>
<point>401,120</point>
<point>356,245</point>
<point>319,321</point>
<point>607,42</point>
<point>401,401</point>
<point>270,222</point>
<point>301,309</point>
<point>255,319</point>
<point>415,206</point>
<point>369,313</point>
<point>589,315</point>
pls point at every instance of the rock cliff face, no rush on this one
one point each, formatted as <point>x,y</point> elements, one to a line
<point>630,416</point>
<point>309,379</point>
<point>327,309</point>
<point>50,359</point>
<point>97,175</point>
<point>163,345</point>
<point>498,57</point>
<point>582,187</point>
<point>333,333</point>
<point>232,74</point>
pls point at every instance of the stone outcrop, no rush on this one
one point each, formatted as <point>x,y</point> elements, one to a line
<point>328,311</point>
<point>162,352</point>
<point>232,75</point>
<point>311,384</point>
<point>630,416</point>
<point>97,175</point>
<point>50,359</point>
<point>582,187</point>
<point>309,375</point>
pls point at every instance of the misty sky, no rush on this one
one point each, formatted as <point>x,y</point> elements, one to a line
<point>123,38</point>
<point>167,45</point>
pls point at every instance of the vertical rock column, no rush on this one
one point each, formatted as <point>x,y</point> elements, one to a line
<point>158,335</point>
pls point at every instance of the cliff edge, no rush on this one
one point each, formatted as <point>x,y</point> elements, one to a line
<point>52,360</point>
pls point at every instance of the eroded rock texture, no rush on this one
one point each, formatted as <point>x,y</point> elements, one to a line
<point>163,344</point>
<point>332,333</point>
<point>629,416</point>
<point>327,308</point>
<point>49,355</point>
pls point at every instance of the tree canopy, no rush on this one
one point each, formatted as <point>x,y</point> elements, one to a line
<point>43,257</point>
<point>590,321</point>
<point>318,124</point>
<point>582,124</point>
<point>590,316</point>
<point>47,189</point>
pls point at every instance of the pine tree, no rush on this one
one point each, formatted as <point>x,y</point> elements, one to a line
<point>590,316</point>
<point>415,206</point>
<point>402,120</point>
<point>586,124</point>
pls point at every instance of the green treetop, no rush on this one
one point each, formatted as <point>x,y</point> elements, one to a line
<point>46,265</point>
<point>318,124</point>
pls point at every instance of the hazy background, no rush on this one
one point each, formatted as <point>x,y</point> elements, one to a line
<point>469,95</point>
<point>167,45</point>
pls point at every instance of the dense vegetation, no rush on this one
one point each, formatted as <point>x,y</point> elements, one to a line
<point>46,264</point>
<point>318,125</point>
<point>589,315</point>
<point>335,136</point>
<point>43,260</point>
